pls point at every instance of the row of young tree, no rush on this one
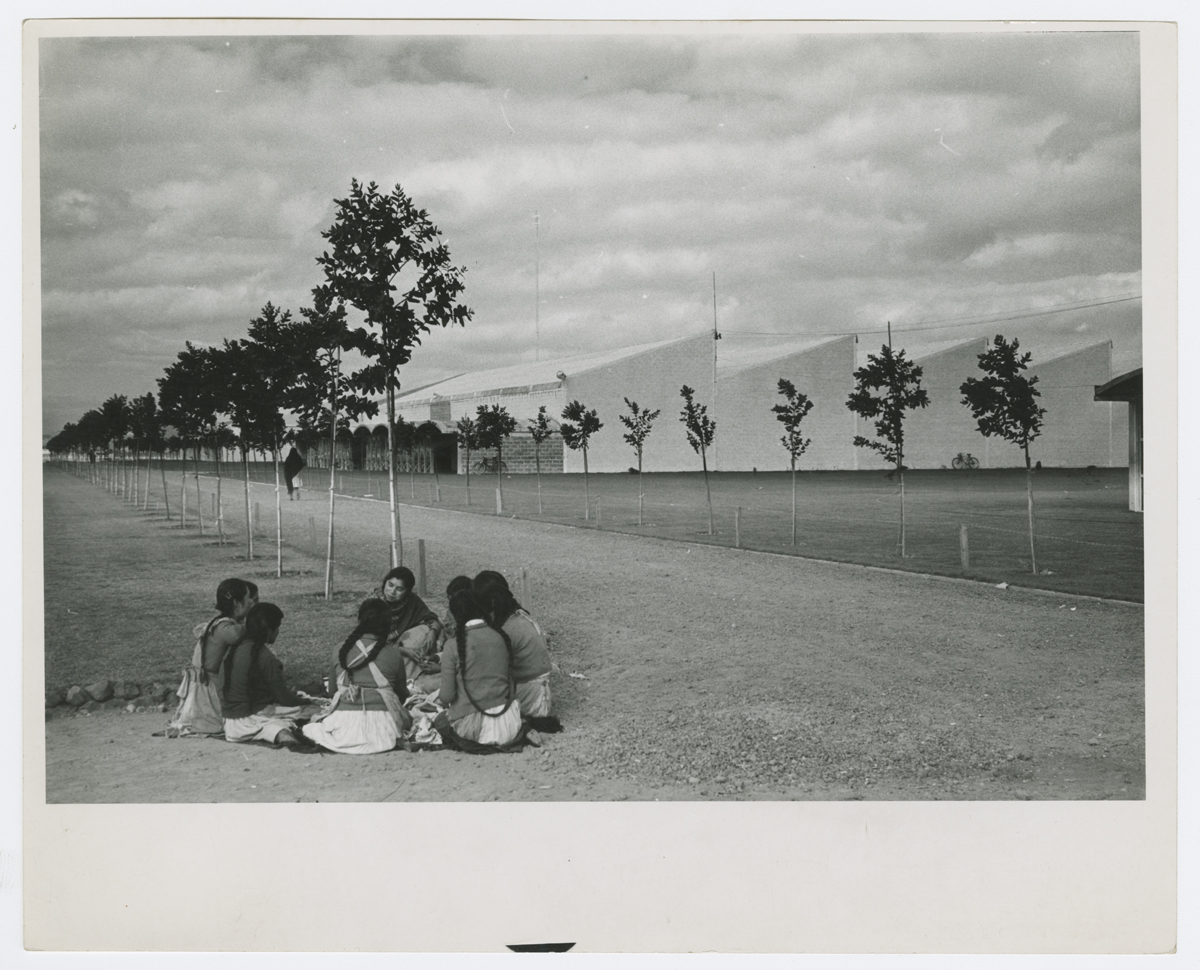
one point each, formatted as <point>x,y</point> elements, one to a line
<point>1003,401</point>
<point>386,259</point>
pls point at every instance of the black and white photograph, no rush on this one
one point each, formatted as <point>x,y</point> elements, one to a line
<point>728,414</point>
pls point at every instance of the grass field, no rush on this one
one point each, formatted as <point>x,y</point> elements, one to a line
<point>686,670</point>
<point>1088,541</point>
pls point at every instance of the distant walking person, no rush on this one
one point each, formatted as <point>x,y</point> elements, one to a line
<point>292,465</point>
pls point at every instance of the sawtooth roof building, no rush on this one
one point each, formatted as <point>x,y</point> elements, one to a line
<point>740,386</point>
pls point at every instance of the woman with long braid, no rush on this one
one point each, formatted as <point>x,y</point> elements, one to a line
<point>367,715</point>
<point>477,686</point>
<point>199,711</point>
<point>531,664</point>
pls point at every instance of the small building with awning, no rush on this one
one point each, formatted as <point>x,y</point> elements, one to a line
<point>1128,388</point>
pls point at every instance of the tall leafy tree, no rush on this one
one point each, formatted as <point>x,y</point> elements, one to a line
<point>243,401</point>
<point>376,240</point>
<point>1004,403</point>
<point>790,414</point>
<point>700,431</point>
<point>187,395</point>
<point>577,427</point>
<point>495,424</point>
<point>93,433</point>
<point>321,400</point>
<point>468,440</point>
<point>540,431</point>
<point>886,389</point>
<point>116,424</point>
<point>274,348</point>
<point>638,423</point>
<point>143,427</point>
<point>405,436</point>
<point>426,435</point>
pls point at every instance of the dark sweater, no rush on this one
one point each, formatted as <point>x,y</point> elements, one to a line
<point>254,680</point>
<point>487,673</point>
<point>530,658</point>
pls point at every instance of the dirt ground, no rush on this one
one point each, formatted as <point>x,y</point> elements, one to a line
<point>699,672</point>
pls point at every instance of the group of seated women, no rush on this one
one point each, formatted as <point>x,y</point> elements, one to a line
<point>484,668</point>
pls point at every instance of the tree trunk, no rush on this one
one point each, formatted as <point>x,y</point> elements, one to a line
<point>278,514</point>
<point>499,465</point>
<point>903,547</point>
<point>137,474</point>
<point>793,501</point>
<point>397,548</point>
<point>220,509</point>
<point>249,521</point>
<point>468,475</point>
<point>537,461</point>
<point>641,491</point>
<point>707,490</point>
<point>1029,502</point>
<point>587,501</point>
<point>333,409</point>
<point>183,487</point>
<point>162,469</point>
<point>199,504</point>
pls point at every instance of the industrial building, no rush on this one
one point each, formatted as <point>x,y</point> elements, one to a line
<point>739,385</point>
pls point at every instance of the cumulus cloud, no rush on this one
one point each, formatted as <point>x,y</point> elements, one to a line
<point>832,182</point>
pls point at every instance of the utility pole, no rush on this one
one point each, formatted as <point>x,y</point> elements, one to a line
<point>716,337</point>
<point>537,284</point>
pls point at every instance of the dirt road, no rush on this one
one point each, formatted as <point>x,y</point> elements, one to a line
<point>703,673</point>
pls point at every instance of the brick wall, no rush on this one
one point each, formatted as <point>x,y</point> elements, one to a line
<point>519,458</point>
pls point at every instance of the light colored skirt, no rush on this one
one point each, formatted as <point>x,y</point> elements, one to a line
<point>199,710</point>
<point>490,730</point>
<point>263,726</point>
<point>355,732</point>
<point>534,696</point>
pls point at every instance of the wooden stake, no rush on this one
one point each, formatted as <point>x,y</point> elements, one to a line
<point>257,521</point>
<point>312,534</point>
<point>499,503</point>
<point>599,520</point>
<point>737,527</point>
<point>421,588</point>
<point>524,587</point>
<point>964,551</point>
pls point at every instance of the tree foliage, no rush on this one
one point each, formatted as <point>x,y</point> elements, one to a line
<point>375,240</point>
<point>790,414</point>
<point>638,423</point>
<point>886,389</point>
<point>578,425</point>
<point>700,427</point>
<point>1004,402</point>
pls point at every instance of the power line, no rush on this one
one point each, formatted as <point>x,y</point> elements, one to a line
<point>949,323</point>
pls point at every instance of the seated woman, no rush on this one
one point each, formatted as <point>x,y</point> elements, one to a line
<point>199,711</point>
<point>415,628</point>
<point>257,704</point>
<point>531,664</point>
<point>476,680</point>
<point>367,715</point>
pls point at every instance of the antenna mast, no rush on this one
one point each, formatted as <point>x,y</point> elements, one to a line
<point>716,337</point>
<point>537,285</point>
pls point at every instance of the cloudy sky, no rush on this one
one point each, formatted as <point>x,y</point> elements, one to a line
<point>955,185</point>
